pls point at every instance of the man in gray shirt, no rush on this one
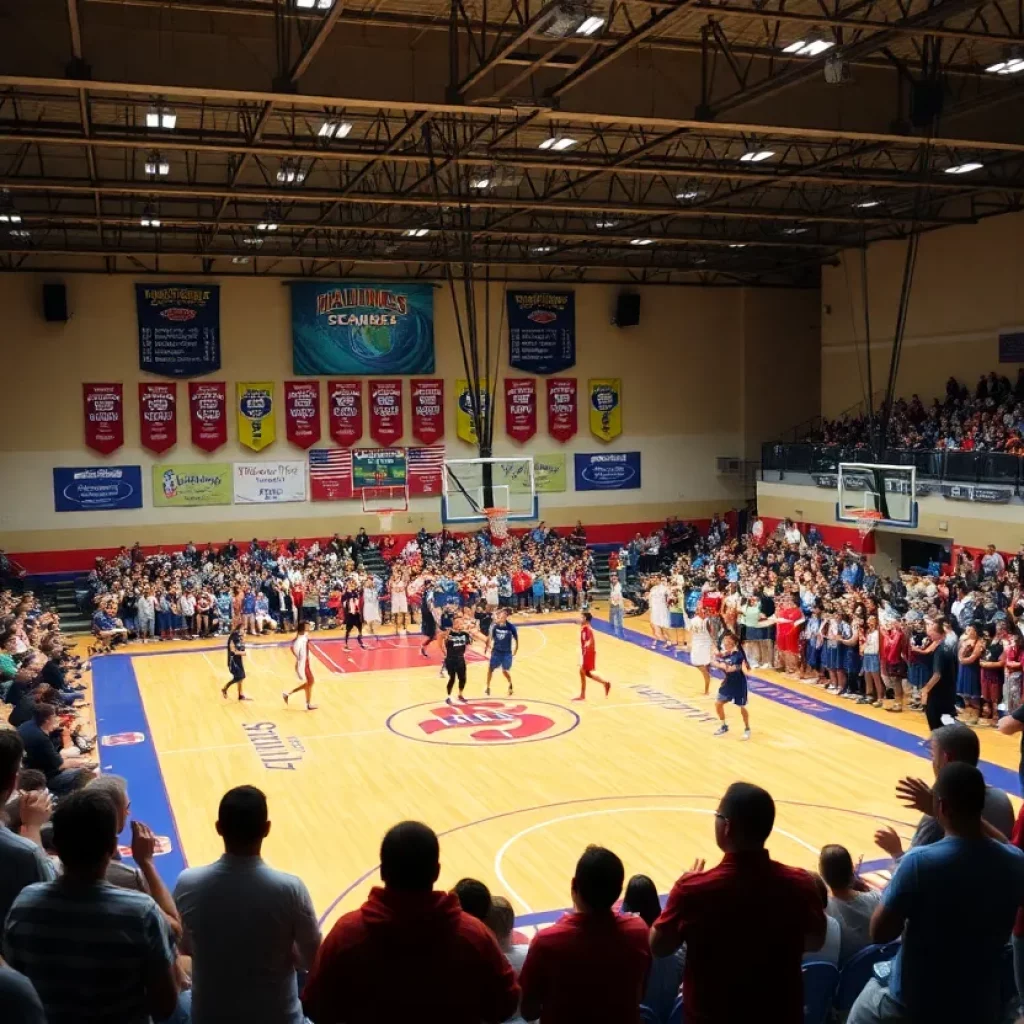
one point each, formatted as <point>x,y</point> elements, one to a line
<point>950,744</point>
<point>247,926</point>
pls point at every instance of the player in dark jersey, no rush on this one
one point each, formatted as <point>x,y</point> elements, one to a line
<point>236,659</point>
<point>445,624</point>
<point>734,685</point>
<point>503,643</point>
<point>352,606</point>
<point>456,640</point>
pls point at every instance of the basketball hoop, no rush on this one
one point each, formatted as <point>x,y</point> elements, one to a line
<point>867,519</point>
<point>497,519</point>
<point>386,520</point>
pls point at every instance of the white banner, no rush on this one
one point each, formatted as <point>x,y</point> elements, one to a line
<point>259,483</point>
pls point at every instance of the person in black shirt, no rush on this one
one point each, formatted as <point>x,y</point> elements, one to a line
<point>939,693</point>
<point>352,606</point>
<point>63,774</point>
<point>236,660</point>
<point>456,640</point>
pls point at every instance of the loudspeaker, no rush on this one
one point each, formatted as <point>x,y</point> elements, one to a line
<point>627,311</point>
<point>55,303</point>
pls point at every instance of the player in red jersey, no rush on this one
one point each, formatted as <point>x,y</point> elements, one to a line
<point>588,658</point>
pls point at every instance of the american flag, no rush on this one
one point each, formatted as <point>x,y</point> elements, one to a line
<point>425,466</point>
<point>330,474</point>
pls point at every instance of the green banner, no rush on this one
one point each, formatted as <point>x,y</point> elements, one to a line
<point>378,467</point>
<point>548,474</point>
<point>183,486</point>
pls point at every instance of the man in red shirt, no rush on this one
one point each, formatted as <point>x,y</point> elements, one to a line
<point>746,923</point>
<point>788,620</point>
<point>588,658</point>
<point>592,965</point>
<point>410,953</point>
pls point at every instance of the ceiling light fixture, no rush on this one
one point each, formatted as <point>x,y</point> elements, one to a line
<point>590,25</point>
<point>480,182</point>
<point>964,168</point>
<point>794,231</point>
<point>157,165</point>
<point>605,223</point>
<point>689,194</point>
<point>812,45</point>
<point>20,233</point>
<point>150,222</point>
<point>161,117</point>
<point>737,245</point>
<point>558,142</point>
<point>641,241</point>
<point>867,204</point>
<point>334,129</point>
<point>755,156</point>
<point>266,225</point>
<point>542,248</point>
<point>320,5</point>
<point>10,217</point>
<point>252,240</point>
<point>416,232</point>
<point>240,259</point>
<point>1011,66</point>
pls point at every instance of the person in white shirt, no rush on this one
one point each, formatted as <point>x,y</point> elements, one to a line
<point>992,563</point>
<point>371,605</point>
<point>616,608</point>
<point>757,530</point>
<point>791,534</point>
<point>491,593</point>
<point>852,903</point>
<point>247,927</point>
<point>700,645</point>
<point>553,590</point>
<point>829,951</point>
<point>187,609</point>
<point>501,920</point>
<point>303,667</point>
<point>660,619</point>
<point>145,615</point>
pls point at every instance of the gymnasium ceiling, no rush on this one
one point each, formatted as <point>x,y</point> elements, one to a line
<point>437,115</point>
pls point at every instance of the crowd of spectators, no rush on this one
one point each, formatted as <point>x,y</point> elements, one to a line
<point>989,418</point>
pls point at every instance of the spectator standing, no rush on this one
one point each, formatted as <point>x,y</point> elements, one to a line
<point>939,692</point>
<point>247,926</point>
<point>616,608</point>
<point>712,911</point>
<point>992,563</point>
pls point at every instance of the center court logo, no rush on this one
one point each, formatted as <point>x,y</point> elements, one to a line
<point>484,722</point>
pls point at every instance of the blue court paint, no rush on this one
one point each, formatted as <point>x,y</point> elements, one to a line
<point>862,725</point>
<point>119,709</point>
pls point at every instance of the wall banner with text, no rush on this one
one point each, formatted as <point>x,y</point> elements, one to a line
<point>208,413</point>
<point>425,467</point>
<point>177,485</point>
<point>254,406</point>
<point>330,474</point>
<point>345,410</point>
<point>520,408</point>
<point>541,331</point>
<point>378,467</point>
<point>427,399</point>
<point>264,483</point>
<point>562,408</point>
<point>605,407</point>
<point>386,411</point>
<point>302,412</point>
<point>179,328</point>
<point>96,488</point>
<point>464,425</point>
<point>104,416</point>
<point>608,471</point>
<point>158,416</point>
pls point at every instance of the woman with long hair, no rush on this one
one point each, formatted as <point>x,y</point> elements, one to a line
<point>700,646</point>
<point>968,677</point>
<point>666,972</point>
<point>303,667</point>
<point>871,655</point>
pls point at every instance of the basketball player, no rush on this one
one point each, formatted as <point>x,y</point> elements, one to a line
<point>700,646</point>
<point>503,643</point>
<point>445,624</point>
<point>352,606</point>
<point>660,618</point>
<point>455,642</point>
<point>303,667</point>
<point>588,658</point>
<point>371,605</point>
<point>400,602</point>
<point>236,659</point>
<point>734,685</point>
<point>429,616</point>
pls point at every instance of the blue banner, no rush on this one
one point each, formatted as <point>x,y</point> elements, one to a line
<point>97,488</point>
<point>541,331</point>
<point>346,329</point>
<point>179,328</point>
<point>608,471</point>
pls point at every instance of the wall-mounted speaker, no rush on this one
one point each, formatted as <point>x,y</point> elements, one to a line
<point>55,303</point>
<point>627,310</point>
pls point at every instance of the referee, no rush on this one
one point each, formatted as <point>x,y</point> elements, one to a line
<point>456,640</point>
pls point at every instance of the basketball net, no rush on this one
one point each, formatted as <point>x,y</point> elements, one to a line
<point>497,519</point>
<point>386,520</point>
<point>867,520</point>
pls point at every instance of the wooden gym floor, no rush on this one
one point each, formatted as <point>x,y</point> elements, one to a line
<point>518,786</point>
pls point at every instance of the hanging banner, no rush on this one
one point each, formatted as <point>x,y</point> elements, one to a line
<point>179,329</point>
<point>541,331</point>
<point>386,411</point>
<point>158,416</point>
<point>605,407</point>
<point>605,471</point>
<point>176,485</point>
<point>562,418</point>
<point>254,407</point>
<point>425,466</point>
<point>330,474</point>
<point>208,413</point>
<point>427,399</point>
<point>96,488</point>
<point>263,483</point>
<point>345,410</point>
<point>520,408</point>
<point>464,425</point>
<point>378,467</point>
<point>302,412</point>
<point>104,416</point>
<point>353,330</point>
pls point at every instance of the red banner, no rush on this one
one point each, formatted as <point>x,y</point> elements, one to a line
<point>207,410</point>
<point>158,416</point>
<point>562,408</point>
<point>520,408</point>
<point>302,412</point>
<point>425,466</point>
<point>345,410</point>
<point>330,474</point>
<point>104,416</point>
<point>427,396</point>
<point>386,411</point>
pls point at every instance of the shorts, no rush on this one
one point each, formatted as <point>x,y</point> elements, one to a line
<point>501,660</point>
<point>237,668</point>
<point>734,688</point>
<point>675,620</point>
<point>588,664</point>
<point>428,625</point>
<point>790,642</point>
<point>871,663</point>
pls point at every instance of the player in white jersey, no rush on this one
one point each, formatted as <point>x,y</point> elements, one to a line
<point>400,603</point>
<point>303,667</point>
<point>660,618</point>
<point>700,646</point>
<point>371,606</point>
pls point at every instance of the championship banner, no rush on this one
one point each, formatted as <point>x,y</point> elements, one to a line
<point>179,329</point>
<point>208,413</point>
<point>345,410</point>
<point>386,411</point>
<point>605,471</point>
<point>96,488</point>
<point>378,467</point>
<point>425,466</point>
<point>562,417</point>
<point>158,416</point>
<point>520,408</point>
<point>302,412</point>
<point>605,407</point>
<point>352,330</point>
<point>427,398</point>
<point>179,485</point>
<point>464,426</point>
<point>541,331</point>
<point>330,474</point>
<point>263,483</point>
<point>104,417</point>
<point>254,407</point>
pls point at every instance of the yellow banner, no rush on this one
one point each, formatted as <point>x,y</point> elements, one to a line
<point>605,407</point>
<point>257,417</point>
<point>464,426</point>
